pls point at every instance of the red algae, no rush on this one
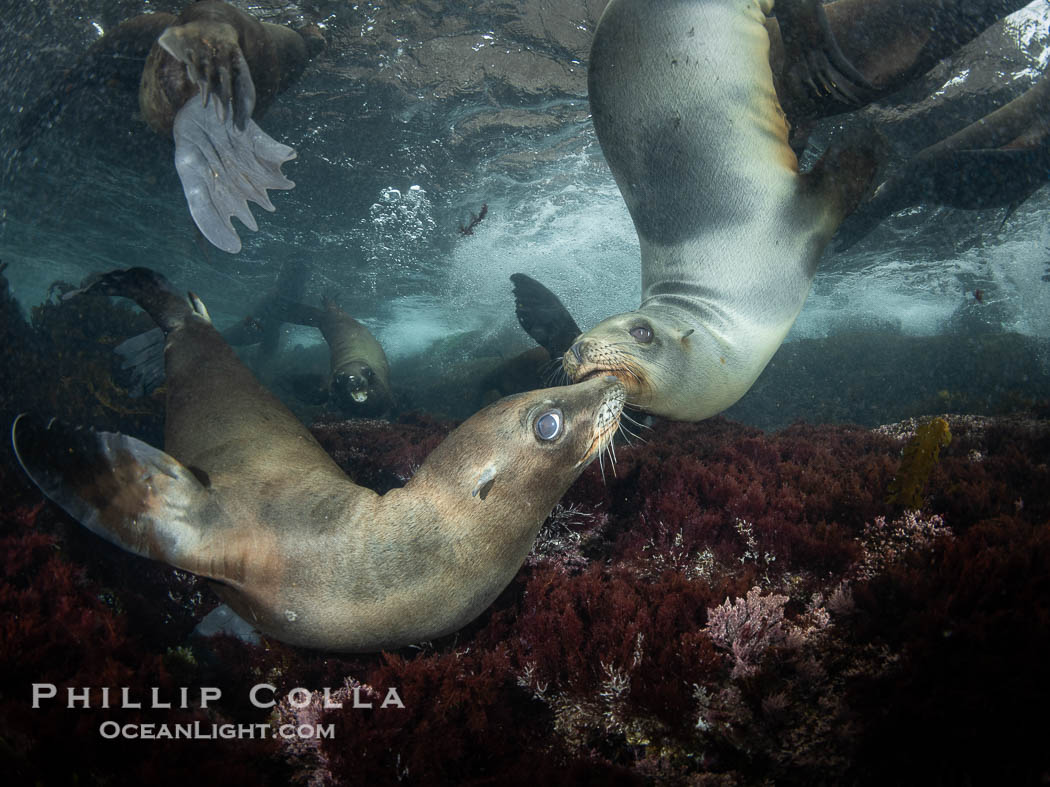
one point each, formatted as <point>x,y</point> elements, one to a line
<point>846,627</point>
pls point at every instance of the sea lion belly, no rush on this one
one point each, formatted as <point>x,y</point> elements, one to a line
<point>685,109</point>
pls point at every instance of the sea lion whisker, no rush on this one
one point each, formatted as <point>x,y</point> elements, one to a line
<point>554,373</point>
<point>628,434</point>
<point>635,421</point>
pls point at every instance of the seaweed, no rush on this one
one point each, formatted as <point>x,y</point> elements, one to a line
<point>917,462</point>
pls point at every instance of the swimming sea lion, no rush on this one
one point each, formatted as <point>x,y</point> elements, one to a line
<point>683,104</point>
<point>244,495</point>
<point>236,63</point>
<point>886,43</point>
<point>359,384</point>
<point>542,315</point>
<point>997,161</point>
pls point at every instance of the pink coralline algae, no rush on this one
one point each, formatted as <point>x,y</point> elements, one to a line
<point>748,627</point>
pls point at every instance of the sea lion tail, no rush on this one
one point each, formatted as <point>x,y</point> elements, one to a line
<point>122,489</point>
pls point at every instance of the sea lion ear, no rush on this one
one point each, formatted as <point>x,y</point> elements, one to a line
<point>688,333</point>
<point>484,483</point>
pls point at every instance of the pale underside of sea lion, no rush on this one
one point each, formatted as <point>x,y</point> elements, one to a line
<point>685,110</point>
<point>245,496</point>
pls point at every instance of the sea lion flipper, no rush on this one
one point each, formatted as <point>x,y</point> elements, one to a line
<point>143,361</point>
<point>543,316</point>
<point>223,620</point>
<point>813,55</point>
<point>844,176</point>
<point>120,488</point>
<point>221,169</point>
<point>965,179</point>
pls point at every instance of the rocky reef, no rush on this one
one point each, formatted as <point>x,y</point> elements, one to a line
<point>725,606</point>
<point>731,607</point>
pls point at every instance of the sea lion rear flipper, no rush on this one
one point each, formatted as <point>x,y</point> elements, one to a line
<point>222,168</point>
<point>813,56</point>
<point>122,489</point>
<point>143,361</point>
<point>543,316</point>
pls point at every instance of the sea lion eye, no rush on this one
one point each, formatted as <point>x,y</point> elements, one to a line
<point>548,425</point>
<point>642,333</point>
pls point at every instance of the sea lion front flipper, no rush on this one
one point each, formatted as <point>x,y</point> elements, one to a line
<point>215,63</point>
<point>223,620</point>
<point>543,316</point>
<point>813,56</point>
<point>222,168</point>
<point>122,489</point>
<point>844,176</point>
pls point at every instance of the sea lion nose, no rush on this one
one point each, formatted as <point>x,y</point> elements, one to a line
<point>576,351</point>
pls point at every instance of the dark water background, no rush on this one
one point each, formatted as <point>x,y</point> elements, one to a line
<point>419,113</point>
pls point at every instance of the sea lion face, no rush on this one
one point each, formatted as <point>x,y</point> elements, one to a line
<point>666,366</point>
<point>517,456</point>
<point>352,385</point>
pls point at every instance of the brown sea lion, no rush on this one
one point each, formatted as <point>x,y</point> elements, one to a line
<point>236,63</point>
<point>685,110</point>
<point>887,43</point>
<point>997,161</point>
<point>359,383</point>
<point>244,495</point>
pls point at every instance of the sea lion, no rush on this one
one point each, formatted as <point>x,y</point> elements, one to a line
<point>223,158</point>
<point>683,103</point>
<point>236,64</point>
<point>143,355</point>
<point>997,161</point>
<point>879,46</point>
<point>244,495</point>
<point>359,383</point>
